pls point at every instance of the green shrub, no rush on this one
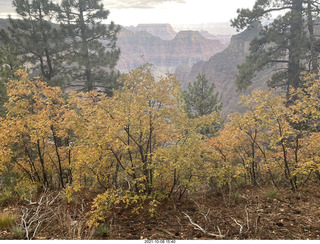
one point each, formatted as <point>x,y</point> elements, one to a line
<point>6,220</point>
<point>271,194</point>
<point>17,231</point>
<point>102,230</point>
<point>234,196</point>
<point>26,189</point>
<point>6,197</point>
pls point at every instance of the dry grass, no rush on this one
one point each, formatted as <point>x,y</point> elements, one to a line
<point>6,220</point>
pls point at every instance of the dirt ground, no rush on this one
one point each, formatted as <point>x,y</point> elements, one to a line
<point>250,213</point>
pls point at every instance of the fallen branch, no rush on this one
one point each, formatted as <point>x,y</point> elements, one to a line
<point>165,231</point>
<point>247,216</point>
<point>219,231</point>
<point>241,226</point>
<point>206,215</point>
<point>198,227</point>
<point>37,213</point>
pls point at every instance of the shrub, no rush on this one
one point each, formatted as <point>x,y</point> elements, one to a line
<point>102,230</point>
<point>234,196</point>
<point>17,231</point>
<point>6,220</point>
<point>6,197</point>
<point>26,189</point>
<point>271,194</point>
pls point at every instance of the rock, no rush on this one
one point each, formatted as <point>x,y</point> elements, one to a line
<point>185,49</point>
<point>164,31</point>
<point>221,69</point>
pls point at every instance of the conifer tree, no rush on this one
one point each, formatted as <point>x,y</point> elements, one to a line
<point>286,42</point>
<point>200,97</point>
<point>10,62</point>
<point>35,37</point>
<point>93,51</point>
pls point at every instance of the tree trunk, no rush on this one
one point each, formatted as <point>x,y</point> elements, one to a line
<point>314,61</point>
<point>44,174</point>
<point>85,51</point>
<point>295,45</point>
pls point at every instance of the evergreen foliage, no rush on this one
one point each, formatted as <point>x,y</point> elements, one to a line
<point>288,43</point>
<point>9,64</point>
<point>201,98</point>
<point>93,60</point>
<point>81,49</point>
<point>36,39</point>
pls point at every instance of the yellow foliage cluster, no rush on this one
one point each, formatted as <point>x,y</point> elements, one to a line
<point>35,133</point>
<point>139,146</point>
<point>275,141</point>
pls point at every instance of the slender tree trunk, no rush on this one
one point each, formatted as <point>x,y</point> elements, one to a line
<point>69,169</point>
<point>253,169</point>
<point>48,75</point>
<point>314,60</point>
<point>134,176</point>
<point>55,139</point>
<point>294,45</point>
<point>31,163</point>
<point>85,52</point>
<point>44,174</point>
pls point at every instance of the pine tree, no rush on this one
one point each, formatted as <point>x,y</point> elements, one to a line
<point>285,43</point>
<point>35,37</point>
<point>200,97</point>
<point>93,51</point>
<point>10,62</point>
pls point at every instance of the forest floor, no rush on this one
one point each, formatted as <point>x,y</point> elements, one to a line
<point>250,213</point>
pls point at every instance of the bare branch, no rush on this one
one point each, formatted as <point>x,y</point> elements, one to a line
<point>206,215</point>
<point>247,216</point>
<point>165,231</point>
<point>33,217</point>
<point>241,226</point>
<point>219,231</point>
<point>198,227</point>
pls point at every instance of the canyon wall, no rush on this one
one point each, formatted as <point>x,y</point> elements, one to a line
<point>221,69</point>
<point>186,48</point>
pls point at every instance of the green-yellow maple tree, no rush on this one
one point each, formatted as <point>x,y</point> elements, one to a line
<point>275,140</point>
<point>35,139</point>
<point>138,144</point>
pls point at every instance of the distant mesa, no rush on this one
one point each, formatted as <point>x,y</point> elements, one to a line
<point>189,34</point>
<point>220,31</point>
<point>164,31</point>
<point>186,48</point>
<point>216,29</point>
<point>207,35</point>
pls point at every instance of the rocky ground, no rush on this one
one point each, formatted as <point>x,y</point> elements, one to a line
<point>250,213</point>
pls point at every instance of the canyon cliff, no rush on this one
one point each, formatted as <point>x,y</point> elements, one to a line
<point>186,48</point>
<point>221,69</point>
<point>164,31</point>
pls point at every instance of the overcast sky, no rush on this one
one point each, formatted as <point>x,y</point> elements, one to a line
<point>133,12</point>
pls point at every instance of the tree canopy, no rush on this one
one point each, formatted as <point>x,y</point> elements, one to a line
<point>36,39</point>
<point>201,99</point>
<point>92,51</point>
<point>288,43</point>
<point>66,42</point>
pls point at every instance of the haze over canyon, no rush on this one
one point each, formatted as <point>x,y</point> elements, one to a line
<point>211,49</point>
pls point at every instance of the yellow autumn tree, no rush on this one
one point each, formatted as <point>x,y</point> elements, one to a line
<point>138,144</point>
<point>35,140</point>
<point>274,141</point>
<point>305,117</point>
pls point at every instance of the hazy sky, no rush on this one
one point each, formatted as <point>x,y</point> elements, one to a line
<point>133,12</point>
